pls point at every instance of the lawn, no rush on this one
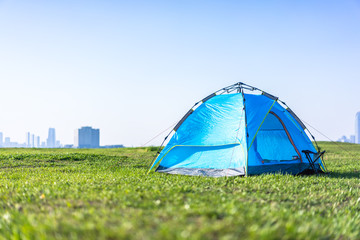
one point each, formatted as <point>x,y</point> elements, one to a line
<point>105,194</point>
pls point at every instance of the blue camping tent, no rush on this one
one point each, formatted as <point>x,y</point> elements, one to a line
<point>238,130</point>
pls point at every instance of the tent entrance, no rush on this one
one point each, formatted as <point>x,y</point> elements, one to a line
<point>274,143</point>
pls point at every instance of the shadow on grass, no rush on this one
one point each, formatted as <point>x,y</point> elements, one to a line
<point>333,174</point>
<point>353,174</point>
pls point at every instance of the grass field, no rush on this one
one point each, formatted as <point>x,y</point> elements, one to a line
<point>105,194</point>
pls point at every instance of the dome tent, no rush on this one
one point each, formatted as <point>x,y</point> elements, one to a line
<point>238,130</point>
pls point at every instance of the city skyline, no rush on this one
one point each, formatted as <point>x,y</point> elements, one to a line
<point>88,137</point>
<point>84,137</point>
<point>354,138</point>
<point>31,141</point>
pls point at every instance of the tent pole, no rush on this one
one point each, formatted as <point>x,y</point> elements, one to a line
<point>247,135</point>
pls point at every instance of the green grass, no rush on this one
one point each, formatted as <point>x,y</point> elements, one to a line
<point>105,194</point>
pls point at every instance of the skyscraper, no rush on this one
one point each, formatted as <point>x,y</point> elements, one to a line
<point>1,139</point>
<point>357,128</point>
<point>27,139</point>
<point>51,138</point>
<point>32,140</point>
<point>37,141</point>
<point>87,137</point>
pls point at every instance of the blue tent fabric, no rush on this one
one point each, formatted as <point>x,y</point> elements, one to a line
<point>225,137</point>
<point>212,137</point>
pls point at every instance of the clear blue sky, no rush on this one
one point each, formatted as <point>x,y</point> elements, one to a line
<point>133,68</point>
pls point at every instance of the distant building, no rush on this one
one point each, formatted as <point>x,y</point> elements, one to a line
<point>32,140</point>
<point>28,139</point>
<point>51,140</point>
<point>343,139</point>
<point>357,128</point>
<point>7,142</point>
<point>1,139</point>
<point>87,137</point>
<point>347,140</point>
<point>38,141</point>
<point>113,146</point>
